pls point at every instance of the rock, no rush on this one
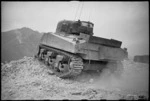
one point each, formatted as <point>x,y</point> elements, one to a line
<point>50,72</point>
<point>76,93</point>
<point>132,97</point>
<point>91,80</point>
<point>142,97</point>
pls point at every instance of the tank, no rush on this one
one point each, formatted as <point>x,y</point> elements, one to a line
<point>73,48</point>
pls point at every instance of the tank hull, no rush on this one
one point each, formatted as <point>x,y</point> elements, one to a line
<point>87,49</point>
<point>73,49</point>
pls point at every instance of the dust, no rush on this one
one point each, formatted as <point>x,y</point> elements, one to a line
<point>133,79</point>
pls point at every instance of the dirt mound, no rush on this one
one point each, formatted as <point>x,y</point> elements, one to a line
<point>29,79</point>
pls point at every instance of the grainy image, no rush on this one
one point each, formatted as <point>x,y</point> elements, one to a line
<point>75,50</point>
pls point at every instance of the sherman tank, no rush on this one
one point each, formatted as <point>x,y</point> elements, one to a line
<point>73,48</point>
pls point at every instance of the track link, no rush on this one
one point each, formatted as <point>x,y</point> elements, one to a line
<point>75,63</point>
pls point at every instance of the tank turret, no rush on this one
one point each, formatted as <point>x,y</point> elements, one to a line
<point>75,27</point>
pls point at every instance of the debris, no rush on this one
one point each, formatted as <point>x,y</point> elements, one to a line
<point>28,79</point>
<point>91,80</point>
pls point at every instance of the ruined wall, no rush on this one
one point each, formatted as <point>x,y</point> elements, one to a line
<point>142,58</point>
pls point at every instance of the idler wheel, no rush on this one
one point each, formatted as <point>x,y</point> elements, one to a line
<point>41,54</point>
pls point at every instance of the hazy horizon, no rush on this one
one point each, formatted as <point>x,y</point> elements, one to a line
<point>124,21</point>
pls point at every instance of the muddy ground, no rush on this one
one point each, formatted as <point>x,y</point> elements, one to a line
<point>29,79</point>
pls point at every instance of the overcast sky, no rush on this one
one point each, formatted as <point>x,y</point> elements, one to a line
<point>124,21</point>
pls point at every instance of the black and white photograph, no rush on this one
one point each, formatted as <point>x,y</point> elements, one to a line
<point>74,50</point>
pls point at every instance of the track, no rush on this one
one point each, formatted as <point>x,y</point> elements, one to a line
<point>69,66</point>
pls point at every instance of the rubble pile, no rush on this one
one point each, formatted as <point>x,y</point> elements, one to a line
<point>27,78</point>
